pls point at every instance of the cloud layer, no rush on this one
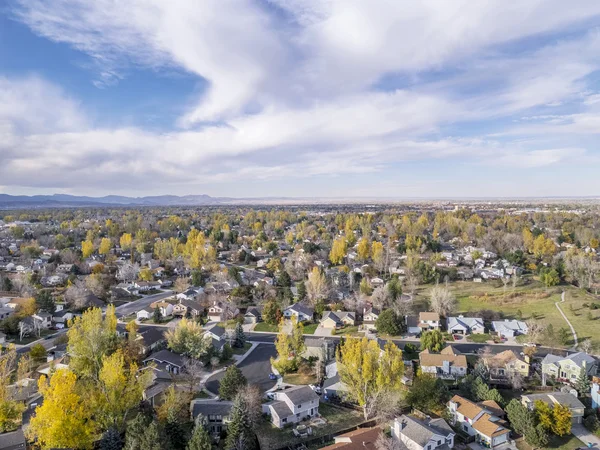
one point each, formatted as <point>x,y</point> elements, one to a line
<point>298,90</point>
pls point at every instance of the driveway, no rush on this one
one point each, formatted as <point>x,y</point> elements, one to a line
<point>323,331</point>
<point>581,433</point>
<point>256,368</point>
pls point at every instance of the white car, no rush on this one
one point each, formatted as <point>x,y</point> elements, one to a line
<point>317,389</point>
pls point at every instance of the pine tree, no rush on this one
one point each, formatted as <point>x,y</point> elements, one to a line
<point>142,435</point>
<point>583,383</point>
<point>301,290</point>
<point>156,316</point>
<point>111,440</point>
<point>240,336</point>
<point>233,380</point>
<point>200,439</point>
<point>239,431</point>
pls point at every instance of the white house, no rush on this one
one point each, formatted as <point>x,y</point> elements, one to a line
<point>416,434</point>
<point>429,321</point>
<point>301,312</point>
<point>465,325</point>
<point>509,328</point>
<point>447,364</point>
<point>292,405</point>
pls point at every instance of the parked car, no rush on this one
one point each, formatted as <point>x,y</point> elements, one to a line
<point>272,376</point>
<point>317,389</point>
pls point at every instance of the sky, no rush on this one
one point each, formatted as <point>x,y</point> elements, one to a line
<point>300,98</point>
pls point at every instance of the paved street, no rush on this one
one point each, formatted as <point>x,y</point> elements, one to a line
<point>256,368</point>
<point>132,307</point>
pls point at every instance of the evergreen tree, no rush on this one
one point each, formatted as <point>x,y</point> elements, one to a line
<point>142,435</point>
<point>239,431</point>
<point>44,301</point>
<point>200,439</point>
<point>231,383</point>
<point>226,353</point>
<point>175,433</point>
<point>301,291</point>
<point>240,336</point>
<point>111,440</point>
<point>582,384</point>
<point>284,279</point>
<point>156,316</point>
<point>270,312</point>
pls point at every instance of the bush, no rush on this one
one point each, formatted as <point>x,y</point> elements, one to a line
<point>591,423</point>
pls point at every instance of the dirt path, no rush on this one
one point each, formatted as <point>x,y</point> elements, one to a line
<point>562,300</point>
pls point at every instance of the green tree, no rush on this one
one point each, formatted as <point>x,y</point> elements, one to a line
<point>38,351</point>
<point>240,433</point>
<point>432,340</point>
<point>389,323</point>
<point>231,383</point>
<point>301,290</point>
<point>156,315</point>
<point>45,301</point>
<point>369,375</point>
<point>582,384</point>
<point>10,410</point>
<point>284,279</point>
<point>428,394</point>
<point>271,312</point>
<point>142,434</point>
<point>226,353</point>
<point>200,439</point>
<point>239,339</point>
<point>394,288</point>
<point>564,335</point>
<point>111,440</point>
<point>549,277</point>
<point>187,338</point>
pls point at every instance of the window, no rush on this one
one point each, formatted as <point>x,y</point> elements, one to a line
<point>211,418</point>
<point>299,406</point>
<point>298,415</point>
<point>284,420</point>
<point>466,428</point>
<point>219,417</point>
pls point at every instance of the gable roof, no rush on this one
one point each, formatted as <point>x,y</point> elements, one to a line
<point>420,432</point>
<point>361,439</point>
<point>449,354</point>
<point>580,359</point>
<point>429,316</point>
<point>300,394</point>
<point>166,356</point>
<point>465,322</point>
<point>207,407</point>
<point>300,308</point>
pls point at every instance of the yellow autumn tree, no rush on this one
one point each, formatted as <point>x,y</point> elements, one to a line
<point>378,255</point>
<point>105,246</point>
<point>368,374</point>
<point>87,248</point>
<point>119,390</point>
<point>125,241</point>
<point>364,249</point>
<point>64,420</point>
<point>10,410</point>
<point>338,251</point>
<point>146,274</point>
<point>561,420</point>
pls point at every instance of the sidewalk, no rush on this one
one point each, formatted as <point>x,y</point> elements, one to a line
<point>581,433</point>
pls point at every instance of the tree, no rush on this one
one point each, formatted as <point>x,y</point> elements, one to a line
<point>156,315</point>
<point>226,352</point>
<point>142,435</point>
<point>368,374</point>
<point>271,312</point>
<point>200,439</point>
<point>111,440</point>
<point>239,339</point>
<point>240,434</point>
<point>316,286</point>
<point>10,410</point>
<point>561,420</point>
<point>181,284</point>
<point>363,250</point>
<point>231,383</point>
<point>38,351</point>
<point>128,272</point>
<point>146,274</point>
<point>378,255</point>
<point>302,293</point>
<point>583,383</point>
<point>389,323</point>
<point>119,390</point>
<point>441,300</point>
<point>427,394</point>
<point>87,248</point>
<point>91,337</point>
<point>105,246</point>
<point>523,421</point>
<point>285,361</point>
<point>125,241</point>
<point>63,420</point>
<point>284,279</point>
<point>365,287</point>
<point>432,340</point>
<point>44,301</point>
<point>187,338</point>
<point>549,277</point>
<point>338,251</point>
<point>394,288</point>
<point>564,335</point>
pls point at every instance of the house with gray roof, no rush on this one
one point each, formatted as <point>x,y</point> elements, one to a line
<point>417,434</point>
<point>338,319</point>
<point>292,405</point>
<point>557,398</point>
<point>568,368</point>
<point>166,360</point>
<point>465,325</point>
<point>14,440</point>
<point>216,413</point>
<point>302,312</point>
<point>509,328</point>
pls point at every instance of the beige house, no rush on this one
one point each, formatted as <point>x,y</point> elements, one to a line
<point>507,363</point>
<point>447,364</point>
<point>478,421</point>
<point>338,319</point>
<point>429,321</point>
<point>556,398</point>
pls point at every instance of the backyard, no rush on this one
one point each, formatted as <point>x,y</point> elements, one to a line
<point>337,418</point>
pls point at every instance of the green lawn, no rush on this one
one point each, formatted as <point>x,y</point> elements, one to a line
<point>568,442</point>
<point>353,330</point>
<point>299,378</point>
<point>479,338</point>
<point>264,326</point>
<point>32,337</point>
<point>337,419</point>
<point>241,350</point>
<point>310,328</point>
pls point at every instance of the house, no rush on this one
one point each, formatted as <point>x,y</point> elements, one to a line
<point>429,321</point>
<point>190,294</point>
<point>6,312</point>
<point>62,317</point>
<point>568,368</point>
<point>412,325</point>
<point>252,315</point>
<point>319,348</point>
<point>292,405</point>
<point>370,316</point>
<point>215,412</point>
<point>449,363</point>
<point>221,311</point>
<point>476,420</point>
<point>187,307</point>
<point>360,439</point>
<point>416,434</point>
<point>337,319</point>
<point>553,398</point>
<point>302,312</point>
<point>145,314</point>
<point>165,308</point>
<point>14,440</point>
<point>465,325</point>
<point>506,364</point>
<point>595,393</point>
<point>166,360</point>
<point>508,329</point>
<point>150,338</point>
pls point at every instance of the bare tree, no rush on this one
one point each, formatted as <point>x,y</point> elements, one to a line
<point>384,442</point>
<point>181,284</point>
<point>586,346</point>
<point>441,300</point>
<point>535,328</point>
<point>24,330</point>
<point>253,401</point>
<point>516,380</point>
<point>316,286</point>
<point>193,372</point>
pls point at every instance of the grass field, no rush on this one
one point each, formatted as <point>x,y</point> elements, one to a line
<point>529,300</point>
<point>310,328</point>
<point>299,378</point>
<point>241,350</point>
<point>568,442</point>
<point>351,331</point>
<point>265,327</point>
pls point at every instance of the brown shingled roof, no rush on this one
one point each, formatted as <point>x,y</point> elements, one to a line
<point>360,439</point>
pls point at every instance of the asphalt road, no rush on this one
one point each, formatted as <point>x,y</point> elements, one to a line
<point>136,305</point>
<point>468,348</point>
<point>256,368</point>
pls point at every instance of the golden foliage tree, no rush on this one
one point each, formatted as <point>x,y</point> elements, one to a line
<point>338,251</point>
<point>105,246</point>
<point>369,375</point>
<point>87,248</point>
<point>10,410</point>
<point>125,241</point>
<point>364,249</point>
<point>316,286</point>
<point>64,420</point>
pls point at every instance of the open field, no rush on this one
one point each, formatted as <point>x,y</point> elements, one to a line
<point>529,300</point>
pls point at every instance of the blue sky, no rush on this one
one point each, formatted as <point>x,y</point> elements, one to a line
<point>437,98</point>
